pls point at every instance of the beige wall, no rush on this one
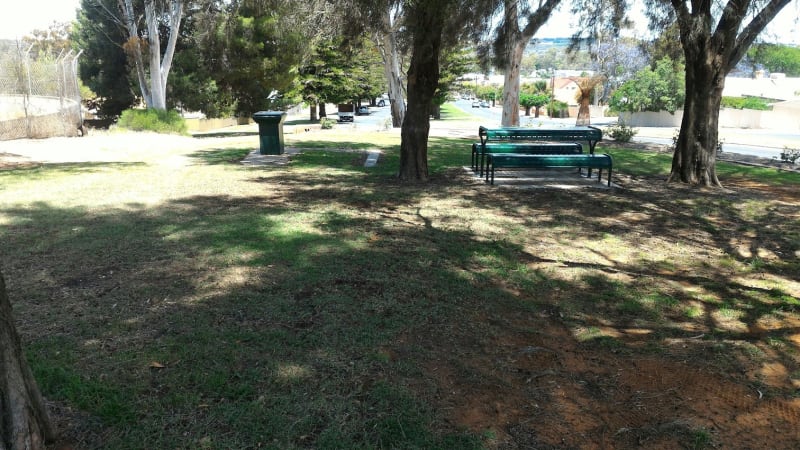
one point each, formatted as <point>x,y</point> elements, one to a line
<point>200,125</point>
<point>779,119</point>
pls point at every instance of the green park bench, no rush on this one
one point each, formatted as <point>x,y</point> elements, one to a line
<point>592,135</point>
<point>495,161</point>
<point>479,151</point>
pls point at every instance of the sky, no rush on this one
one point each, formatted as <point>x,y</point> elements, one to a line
<point>20,17</point>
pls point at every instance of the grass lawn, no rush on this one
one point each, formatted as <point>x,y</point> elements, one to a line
<point>200,303</point>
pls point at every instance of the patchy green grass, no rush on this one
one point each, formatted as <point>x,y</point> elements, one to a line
<point>322,304</point>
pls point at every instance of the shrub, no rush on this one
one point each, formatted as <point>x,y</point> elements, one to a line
<point>659,89</point>
<point>790,155</point>
<point>558,109</point>
<point>152,120</point>
<point>746,103</point>
<point>621,132</point>
<point>326,123</point>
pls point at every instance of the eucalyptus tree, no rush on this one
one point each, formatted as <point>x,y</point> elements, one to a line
<point>158,15</point>
<point>521,19</point>
<point>429,27</point>
<point>386,35</point>
<point>714,35</point>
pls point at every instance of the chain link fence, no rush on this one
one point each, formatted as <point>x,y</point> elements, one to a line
<point>39,97</point>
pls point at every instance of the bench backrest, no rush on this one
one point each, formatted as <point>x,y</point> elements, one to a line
<point>533,148</point>
<point>540,134</point>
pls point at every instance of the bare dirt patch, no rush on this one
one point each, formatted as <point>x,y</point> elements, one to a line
<point>645,316</point>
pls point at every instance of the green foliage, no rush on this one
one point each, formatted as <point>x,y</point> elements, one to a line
<point>659,89</point>
<point>536,100</point>
<point>103,66</point>
<point>326,123</point>
<point>53,41</point>
<point>488,92</point>
<point>790,155</point>
<point>454,64</point>
<point>746,103</point>
<point>776,58</point>
<point>558,109</point>
<point>169,122</point>
<point>193,84</point>
<point>621,132</point>
<point>250,48</point>
<point>335,73</point>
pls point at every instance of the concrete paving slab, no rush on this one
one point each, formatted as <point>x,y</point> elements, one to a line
<point>550,178</point>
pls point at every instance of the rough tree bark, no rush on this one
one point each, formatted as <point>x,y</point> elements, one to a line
<point>25,424</point>
<point>312,112</point>
<point>509,47</point>
<point>510,117</point>
<point>423,79</point>
<point>134,47</point>
<point>386,40</point>
<point>710,56</point>
<point>154,92</point>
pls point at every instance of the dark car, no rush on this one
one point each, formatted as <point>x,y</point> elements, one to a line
<point>362,111</point>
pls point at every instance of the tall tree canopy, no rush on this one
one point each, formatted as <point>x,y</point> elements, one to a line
<point>431,27</point>
<point>145,44</point>
<point>520,22</point>
<point>104,65</point>
<point>253,46</point>
<point>776,58</point>
<point>714,37</point>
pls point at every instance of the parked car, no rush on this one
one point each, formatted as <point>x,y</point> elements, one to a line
<point>484,104</point>
<point>383,100</point>
<point>476,104</point>
<point>362,111</point>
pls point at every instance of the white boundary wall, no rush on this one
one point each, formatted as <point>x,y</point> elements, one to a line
<point>784,116</point>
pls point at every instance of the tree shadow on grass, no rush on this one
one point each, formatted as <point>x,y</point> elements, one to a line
<point>341,308</point>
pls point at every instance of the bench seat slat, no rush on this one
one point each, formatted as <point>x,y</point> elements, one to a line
<point>479,151</point>
<point>592,135</point>
<point>514,160</point>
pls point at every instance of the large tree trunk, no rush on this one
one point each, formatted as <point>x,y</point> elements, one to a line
<point>511,43</point>
<point>25,424</point>
<point>510,116</point>
<point>134,47</point>
<point>157,88</point>
<point>161,65</point>
<point>386,41</point>
<point>312,112</point>
<point>154,92</point>
<point>694,160</point>
<point>423,79</point>
<point>710,55</point>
